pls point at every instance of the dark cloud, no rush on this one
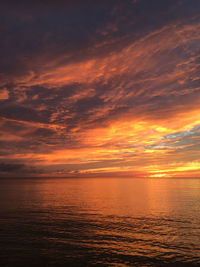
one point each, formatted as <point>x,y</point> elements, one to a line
<point>18,170</point>
<point>35,33</point>
<point>22,113</point>
<point>43,132</point>
<point>11,167</point>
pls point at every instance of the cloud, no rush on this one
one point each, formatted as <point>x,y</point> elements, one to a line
<point>11,167</point>
<point>4,94</point>
<point>100,87</point>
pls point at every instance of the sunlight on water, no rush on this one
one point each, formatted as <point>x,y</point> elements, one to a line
<point>79,222</point>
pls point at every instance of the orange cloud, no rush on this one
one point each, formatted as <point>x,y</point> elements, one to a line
<point>133,108</point>
<point>4,94</point>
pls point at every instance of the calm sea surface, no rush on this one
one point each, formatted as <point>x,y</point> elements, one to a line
<point>102,222</point>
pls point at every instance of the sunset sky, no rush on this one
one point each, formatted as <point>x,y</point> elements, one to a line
<point>100,88</point>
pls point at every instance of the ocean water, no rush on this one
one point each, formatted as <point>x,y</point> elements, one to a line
<point>100,222</point>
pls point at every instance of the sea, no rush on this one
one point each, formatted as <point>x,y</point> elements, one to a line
<point>100,222</point>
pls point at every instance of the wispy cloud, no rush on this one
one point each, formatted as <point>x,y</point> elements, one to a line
<point>116,91</point>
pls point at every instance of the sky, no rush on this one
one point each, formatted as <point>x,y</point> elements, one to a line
<point>100,88</point>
